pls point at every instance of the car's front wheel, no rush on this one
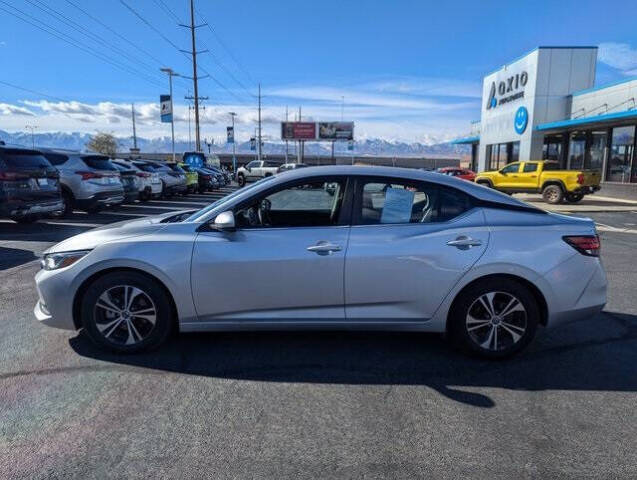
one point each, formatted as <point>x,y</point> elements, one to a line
<point>126,312</point>
<point>241,180</point>
<point>494,318</point>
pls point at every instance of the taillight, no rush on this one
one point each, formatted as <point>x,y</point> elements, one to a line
<point>143,174</point>
<point>13,176</point>
<point>89,175</point>
<point>589,245</point>
<point>580,178</point>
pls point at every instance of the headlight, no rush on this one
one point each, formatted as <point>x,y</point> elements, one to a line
<point>53,261</point>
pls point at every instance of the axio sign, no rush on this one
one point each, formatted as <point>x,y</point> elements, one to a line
<point>508,90</point>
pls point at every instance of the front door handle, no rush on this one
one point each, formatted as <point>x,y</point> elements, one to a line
<point>324,248</point>
<point>464,243</point>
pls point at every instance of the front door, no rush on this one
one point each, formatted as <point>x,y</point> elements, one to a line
<point>509,176</point>
<point>410,243</point>
<point>528,177</point>
<point>284,262</point>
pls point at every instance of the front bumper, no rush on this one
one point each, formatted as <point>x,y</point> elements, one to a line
<point>55,298</point>
<point>24,209</point>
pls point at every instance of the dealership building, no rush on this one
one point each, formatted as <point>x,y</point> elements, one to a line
<point>544,105</point>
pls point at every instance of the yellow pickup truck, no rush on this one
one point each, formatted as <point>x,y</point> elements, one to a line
<point>543,177</point>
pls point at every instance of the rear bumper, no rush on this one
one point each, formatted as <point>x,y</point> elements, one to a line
<point>23,209</point>
<point>587,190</point>
<point>103,198</point>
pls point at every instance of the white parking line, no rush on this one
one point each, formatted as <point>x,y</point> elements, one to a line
<point>185,202</point>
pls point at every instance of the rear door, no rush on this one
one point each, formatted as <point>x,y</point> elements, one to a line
<point>528,177</point>
<point>410,243</point>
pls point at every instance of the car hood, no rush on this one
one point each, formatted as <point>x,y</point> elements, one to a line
<point>113,231</point>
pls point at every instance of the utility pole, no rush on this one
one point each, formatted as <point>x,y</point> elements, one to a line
<point>234,143</point>
<point>132,107</point>
<point>286,142</point>
<point>195,78</point>
<point>259,139</point>
<point>171,74</point>
<point>301,146</point>
<point>189,135</point>
<point>32,128</point>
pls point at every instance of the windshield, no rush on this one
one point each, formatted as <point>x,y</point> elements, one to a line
<point>204,211</point>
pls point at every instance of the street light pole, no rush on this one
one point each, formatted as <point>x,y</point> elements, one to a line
<point>234,143</point>
<point>171,74</point>
<point>32,128</point>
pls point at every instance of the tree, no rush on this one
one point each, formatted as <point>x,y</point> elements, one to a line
<point>103,143</point>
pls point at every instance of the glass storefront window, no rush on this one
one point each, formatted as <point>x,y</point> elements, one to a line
<point>576,150</point>
<point>595,155</point>
<point>552,149</point>
<point>621,156</point>
<point>515,152</point>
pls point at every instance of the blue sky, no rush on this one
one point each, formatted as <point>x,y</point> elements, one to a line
<point>406,70</point>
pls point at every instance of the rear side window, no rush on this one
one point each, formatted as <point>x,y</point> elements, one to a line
<point>14,158</point>
<point>548,166</point>
<point>99,163</point>
<point>56,158</point>
<point>404,201</point>
<point>530,167</point>
<point>271,164</point>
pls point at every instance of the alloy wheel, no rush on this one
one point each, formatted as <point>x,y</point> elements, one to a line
<point>125,315</point>
<point>496,321</point>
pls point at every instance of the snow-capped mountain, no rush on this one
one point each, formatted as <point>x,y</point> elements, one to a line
<point>370,146</point>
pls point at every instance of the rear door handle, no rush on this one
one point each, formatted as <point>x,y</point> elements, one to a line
<point>464,243</point>
<point>324,248</point>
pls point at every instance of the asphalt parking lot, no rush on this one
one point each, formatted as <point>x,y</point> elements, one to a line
<point>314,405</point>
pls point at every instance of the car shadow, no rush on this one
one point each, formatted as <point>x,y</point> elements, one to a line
<point>13,257</point>
<point>597,355</point>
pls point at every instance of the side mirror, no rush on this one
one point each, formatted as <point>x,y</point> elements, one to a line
<point>224,222</point>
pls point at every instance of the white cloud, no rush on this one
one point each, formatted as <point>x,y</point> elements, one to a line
<point>8,109</point>
<point>618,55</point>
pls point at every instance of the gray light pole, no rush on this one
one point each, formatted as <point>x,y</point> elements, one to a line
<point>234,143</point>
<point>32,128</point>
<point>171,74</point>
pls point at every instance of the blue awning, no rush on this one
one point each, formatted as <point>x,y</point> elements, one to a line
<point>597,119</point>
<point>465,140</point>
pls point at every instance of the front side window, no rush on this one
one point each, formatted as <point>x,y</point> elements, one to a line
<point>313,203</point>
<point>512,168</point>
<point>395,202</point>
<point>253,164</point>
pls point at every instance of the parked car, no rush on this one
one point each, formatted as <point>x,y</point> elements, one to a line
<point>428,253</point>
<point>131,182</point>
<point>192,177</point>
<point>156,184</point>
<point>89,181</point>
<point>463,173</point>
<point>29,185</point>
<point>290,166</point>
<point>207,180</point>
<point>219,175</point>
<point>543,177</point>
<point>173,181</point>
<point>149,183</point>
<point>255,170</point>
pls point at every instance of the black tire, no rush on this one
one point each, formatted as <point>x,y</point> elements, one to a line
<point>94,209</point>
<point>573,197</point>
<point>485,183</point>
<point>25,220</point>
<point>553,194</point>
<point>470,323</point>
<point>241,180</point>
<point>98,325</point>
<point>67,203</point>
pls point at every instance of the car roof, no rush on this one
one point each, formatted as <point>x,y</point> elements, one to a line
<point>475,190</point>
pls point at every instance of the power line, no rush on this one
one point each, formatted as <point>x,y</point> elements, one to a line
<point>57,99</point>
<point>157,31</point>
<point>70,40</point>
<point>87,33</point>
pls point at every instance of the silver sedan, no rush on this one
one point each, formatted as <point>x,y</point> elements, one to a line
<point>331,247</point>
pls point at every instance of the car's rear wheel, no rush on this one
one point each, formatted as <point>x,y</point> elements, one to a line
<point>574,197</point>
<point>67,203</point>
<point>126,312</point>
<point>495,318</point>
<point>25,219</point>
<point>241,180</point>
<point>553,194</point>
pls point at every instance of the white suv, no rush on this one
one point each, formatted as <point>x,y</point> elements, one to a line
<point>256,170</point>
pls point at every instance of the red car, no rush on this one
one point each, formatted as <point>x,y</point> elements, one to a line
<point>463,173</point>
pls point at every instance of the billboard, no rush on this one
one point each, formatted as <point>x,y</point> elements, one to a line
<point>230,134</point>
<point>166,108</point>
<point>336,131</point>
<point>298,131</point>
